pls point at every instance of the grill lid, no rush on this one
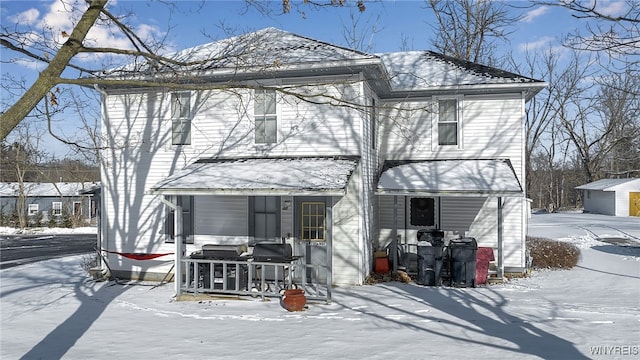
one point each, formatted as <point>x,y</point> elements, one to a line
<point>274,252</point>
<point>221,252</point>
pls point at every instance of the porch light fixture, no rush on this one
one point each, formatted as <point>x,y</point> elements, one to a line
<point>286,204</point>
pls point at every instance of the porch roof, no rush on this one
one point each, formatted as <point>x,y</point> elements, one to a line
<point>450,177</point>
<point>261,176</point>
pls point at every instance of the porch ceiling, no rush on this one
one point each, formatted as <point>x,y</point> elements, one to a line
<point>261,176</point>
<point>449,177</point>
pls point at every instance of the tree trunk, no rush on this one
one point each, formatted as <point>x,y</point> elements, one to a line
<point>50,76</point>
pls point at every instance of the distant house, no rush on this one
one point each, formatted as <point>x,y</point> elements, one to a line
<point>288,140</point>
<point>617,197</point>
<point>47,200</point>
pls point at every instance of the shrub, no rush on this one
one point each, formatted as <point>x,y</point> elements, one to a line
<point>552,254</point>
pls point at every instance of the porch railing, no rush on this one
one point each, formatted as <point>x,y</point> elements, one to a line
<point>264,279</point>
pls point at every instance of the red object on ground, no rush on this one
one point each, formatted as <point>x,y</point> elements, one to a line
<point>294,300</point>
<point>382,265</point>
<point>483,257</point>
<point>138,256</point>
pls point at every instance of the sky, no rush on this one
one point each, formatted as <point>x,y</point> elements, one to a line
<point>52,310</point>
<point>398,24</point>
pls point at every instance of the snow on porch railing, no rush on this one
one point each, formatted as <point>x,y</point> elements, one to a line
<point>264,279</point>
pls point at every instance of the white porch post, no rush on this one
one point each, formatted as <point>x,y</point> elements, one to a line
<point>329,225</point>
<point>500,239</point>
<point>177,221</point>
<point>394,235</point>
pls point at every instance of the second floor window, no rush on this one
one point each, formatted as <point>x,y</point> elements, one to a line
<point>448,128</point>
<point>181,118</point>
<point>265,116</point>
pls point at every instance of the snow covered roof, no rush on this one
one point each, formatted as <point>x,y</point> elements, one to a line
<point>269,48</point>
<point>32,189</point>
<point>450,177</point>
<point>256,176</point>
<point>418,70</point>
<point>610,184</point>
<point>262,53</point>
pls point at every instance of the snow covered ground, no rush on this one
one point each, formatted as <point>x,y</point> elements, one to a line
<point>52,310</point>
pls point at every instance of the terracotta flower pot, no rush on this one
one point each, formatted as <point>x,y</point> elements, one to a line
<point>294,300</point>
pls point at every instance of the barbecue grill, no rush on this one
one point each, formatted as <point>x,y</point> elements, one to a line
<point>280,254</point>
<point>233,271</point>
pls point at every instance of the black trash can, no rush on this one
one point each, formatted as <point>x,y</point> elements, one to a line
<point>433,236</point>
<point>462,261</point>
<point>429,252</point>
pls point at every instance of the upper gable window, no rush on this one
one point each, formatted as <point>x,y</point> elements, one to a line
<point>265,117</point>
<point>181,118</point>
<point>448,115</point>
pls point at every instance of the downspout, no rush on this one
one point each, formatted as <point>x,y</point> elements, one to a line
<point>177,220</point>
<point>329,222</point>
<point>500,239</point>
<point>394,235</point>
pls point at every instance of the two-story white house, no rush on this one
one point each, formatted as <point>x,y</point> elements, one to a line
<point>274,137</point>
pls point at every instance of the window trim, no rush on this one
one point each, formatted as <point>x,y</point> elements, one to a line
<point>33,209</point>
<point>264,118</point>
<point>409,212</point>
<point>435,134</point>
<point>323,215</point>
<point>182,121</point>
<point>79,207</point>
<point>56,205</point>
<point>187,212</point>
<point>252,217</point>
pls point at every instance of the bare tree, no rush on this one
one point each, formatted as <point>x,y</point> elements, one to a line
<point>615,33</point>
<point>147,64</point>
<point>471,29</point>
<point>359,32</point>
<point>27,157</point>
<point>619,104</point>
<point>540,111</point>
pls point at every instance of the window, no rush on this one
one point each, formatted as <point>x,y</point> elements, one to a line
<point>33,209</point>
<point>56,208</point>
<point>423,211</point>
<point>187,220</point>
<point>448,122</point>
<point>313,221</point>
<point>264,224</point>
<point>181,118</point>
<point>77,208</point>
<point>265,117</point>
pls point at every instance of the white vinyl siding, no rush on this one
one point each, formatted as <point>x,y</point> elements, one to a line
<point>347,248</point>
<point>224,125</point>
<point>492,128</point>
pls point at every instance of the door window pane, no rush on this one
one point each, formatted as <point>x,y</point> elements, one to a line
<point>313,221</point>
<point>423,212</point>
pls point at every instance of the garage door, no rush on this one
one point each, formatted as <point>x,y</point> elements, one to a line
<point>634,204</point>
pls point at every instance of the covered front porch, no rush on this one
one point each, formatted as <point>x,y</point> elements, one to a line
<point>223,213</point>
<point>462,198</point>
